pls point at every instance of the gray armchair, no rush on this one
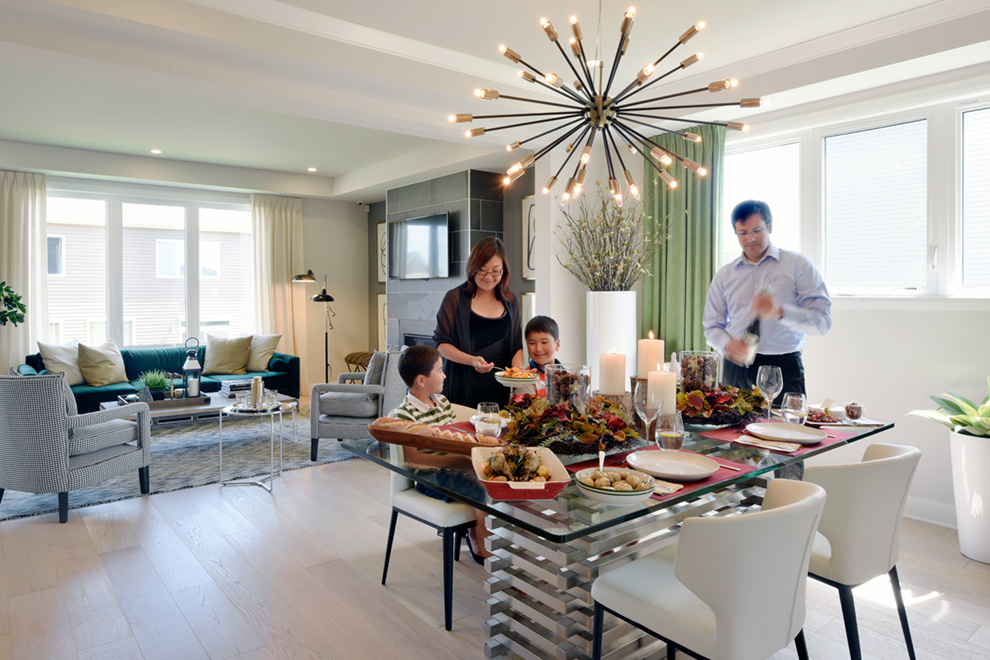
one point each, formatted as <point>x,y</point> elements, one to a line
<point>47,448</point>
<point>343,411</point>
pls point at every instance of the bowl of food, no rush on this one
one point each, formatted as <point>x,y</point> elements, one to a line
<point>519,473</point>
<point>616,486</point>
<point>516,376</point>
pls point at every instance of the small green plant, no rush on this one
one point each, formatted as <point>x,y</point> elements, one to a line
<point>11,307</point>
<point>155,380</point>
<point>960,414</point>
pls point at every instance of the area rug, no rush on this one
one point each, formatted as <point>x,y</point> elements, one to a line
<point>186,456</point>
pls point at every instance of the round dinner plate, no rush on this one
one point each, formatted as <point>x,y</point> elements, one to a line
<point>511,381</point>
<point>673,465</point>
<point>784,432</point>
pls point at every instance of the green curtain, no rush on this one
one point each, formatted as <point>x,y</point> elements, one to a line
<point>674,293</point>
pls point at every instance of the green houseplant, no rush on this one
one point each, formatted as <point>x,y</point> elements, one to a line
<point>11,307</point>
<point>156,381</point>
<point>969,448</point>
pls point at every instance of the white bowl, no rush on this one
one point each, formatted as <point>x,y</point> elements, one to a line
<point>515,382</point>
<point>614,497</point>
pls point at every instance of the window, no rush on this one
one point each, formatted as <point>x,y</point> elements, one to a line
<point>128,251</point>
<point>976,198</point>
<point>876,209</point>
<point>55,332</point>
<point>56,256</point>
<point>770,174</point>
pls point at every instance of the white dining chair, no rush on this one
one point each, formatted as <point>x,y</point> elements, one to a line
<point>859,536</point>
<point>452,520</point>
<point>732,588</point>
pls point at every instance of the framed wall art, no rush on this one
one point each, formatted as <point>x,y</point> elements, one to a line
<point>382,251</point>
<point>527,310</point>
<point>382,343</point>
<point>529,237</point>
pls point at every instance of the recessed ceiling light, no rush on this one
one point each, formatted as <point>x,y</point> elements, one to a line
<point>156,151</point>
<point>310,169</point>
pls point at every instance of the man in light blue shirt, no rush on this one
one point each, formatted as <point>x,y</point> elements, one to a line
<point>783,289</point>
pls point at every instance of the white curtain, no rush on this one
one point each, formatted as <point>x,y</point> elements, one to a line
<point>23,262</point>
<point>278,256</point>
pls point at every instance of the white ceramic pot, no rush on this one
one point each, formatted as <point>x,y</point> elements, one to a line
<point>611,326</point>
<point>971,487</point>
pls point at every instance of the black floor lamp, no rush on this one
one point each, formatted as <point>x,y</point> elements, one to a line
<point>326,299</point>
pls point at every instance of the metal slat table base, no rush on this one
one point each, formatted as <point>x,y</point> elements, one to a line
<point>541,606</point>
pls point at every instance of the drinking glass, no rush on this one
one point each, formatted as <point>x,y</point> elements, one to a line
<point>647,404</point>
<point>489,421</point>
<point>770,382</point>
<point>795,408</point>
<point>670,431</point>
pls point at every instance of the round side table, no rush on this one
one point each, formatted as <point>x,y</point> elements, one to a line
<point>271,413</point>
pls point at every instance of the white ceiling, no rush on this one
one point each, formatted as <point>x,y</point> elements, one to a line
<point>361,90</point>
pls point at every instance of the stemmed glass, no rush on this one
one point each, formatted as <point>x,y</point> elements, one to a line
<point>647,404</point>
<point>670,431</point>
<point>489,421</point>
<point>770,382</point>
<point>795,408</point>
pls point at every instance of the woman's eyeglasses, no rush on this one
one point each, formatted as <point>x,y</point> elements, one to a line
<point>490,274</point>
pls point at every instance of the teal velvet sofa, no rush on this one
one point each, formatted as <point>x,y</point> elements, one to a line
<point>282,374</point>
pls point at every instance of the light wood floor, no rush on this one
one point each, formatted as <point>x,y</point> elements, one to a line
<point>238,573</point>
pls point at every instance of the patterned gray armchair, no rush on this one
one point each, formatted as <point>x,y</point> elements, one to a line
<point>47,448</point>
<point>343,411</point>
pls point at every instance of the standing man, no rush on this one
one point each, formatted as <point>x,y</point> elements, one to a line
<point>783,289</point>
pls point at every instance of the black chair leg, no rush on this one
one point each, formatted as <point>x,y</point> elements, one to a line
<point>849,618</point>
<point>598,632</point>
<point>458,537</point>
<point>448,576</point>
<point>901,611</point>
<point>1,494</point>
<point>671,651</point>
<point>313,447</point>
<point>802,646</point>
<point>144,477</point>
<point>63,507</point>
<point>388,547</point>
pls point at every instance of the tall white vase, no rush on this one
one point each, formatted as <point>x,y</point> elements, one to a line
<point>971,487</point>
<point>611,326</point>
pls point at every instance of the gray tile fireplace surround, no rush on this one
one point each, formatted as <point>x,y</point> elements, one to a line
<point>473,201</point>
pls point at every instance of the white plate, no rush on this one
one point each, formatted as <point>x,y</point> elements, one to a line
<point>474,421</point>
<point>784,432</point>
<point>515,382</point>
<point>673,465</point>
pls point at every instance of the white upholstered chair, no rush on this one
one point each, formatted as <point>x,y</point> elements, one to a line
<point>859,536</point>
<point>451,519</point>
<point>732,588</point>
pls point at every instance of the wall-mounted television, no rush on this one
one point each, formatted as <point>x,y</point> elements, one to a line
<point>418,248</point>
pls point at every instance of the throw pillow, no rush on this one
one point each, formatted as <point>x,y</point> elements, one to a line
<point>102,365</point>
<point>63,358</point>
<point>262,349</point>
<point>376,365</point>
<point>226,356</point>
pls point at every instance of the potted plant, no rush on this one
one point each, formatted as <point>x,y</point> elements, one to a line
<point>606,246</point>
<point>11,307</point>
<point>969,446</point>
<point>157,383</point>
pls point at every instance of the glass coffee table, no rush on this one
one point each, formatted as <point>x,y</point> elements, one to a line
<point>278,410</point>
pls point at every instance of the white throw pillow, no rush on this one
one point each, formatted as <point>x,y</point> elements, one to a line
<point>63,358</point>
<point>262,349</point>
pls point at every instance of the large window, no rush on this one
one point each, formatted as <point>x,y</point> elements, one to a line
<point>876,209</point>
<point>56,255</point>
<point>770,174</point>
<point>125,253</point>
<point>976,198</point>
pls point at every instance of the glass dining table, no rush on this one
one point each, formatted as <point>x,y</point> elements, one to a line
<point>547,553</point>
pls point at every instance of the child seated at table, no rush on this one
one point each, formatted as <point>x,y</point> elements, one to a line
<point>421,369</point>
<point>542,342</point>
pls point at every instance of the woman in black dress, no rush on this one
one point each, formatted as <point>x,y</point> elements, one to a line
<point>478,328</point>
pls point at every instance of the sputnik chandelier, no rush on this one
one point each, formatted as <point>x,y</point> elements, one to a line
<point>590,111</point>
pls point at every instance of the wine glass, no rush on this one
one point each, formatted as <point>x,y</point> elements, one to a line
<point>489,421</point>
<point>670,431</point>
<point>647,404</point>
<point>770,382</point>
<point>795,408</point>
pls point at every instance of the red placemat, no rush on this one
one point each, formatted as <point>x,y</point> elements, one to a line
<point>619,460</point>
<point>732,433</point>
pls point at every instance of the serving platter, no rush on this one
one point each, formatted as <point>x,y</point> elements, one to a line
<point>421,441</point>
<point>784,432</point>
<point>673,465</point>
<point>516,381</point>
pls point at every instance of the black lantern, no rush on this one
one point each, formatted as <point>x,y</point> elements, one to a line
<point>191,370</point>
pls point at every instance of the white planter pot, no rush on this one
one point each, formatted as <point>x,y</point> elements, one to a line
<point>611,326</point>
<point>971,487</point>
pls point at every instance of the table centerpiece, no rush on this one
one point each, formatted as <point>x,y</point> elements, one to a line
<point>566,429</point>
<point>721,405</point>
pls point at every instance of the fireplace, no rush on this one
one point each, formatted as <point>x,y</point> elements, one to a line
<point>410,339</point>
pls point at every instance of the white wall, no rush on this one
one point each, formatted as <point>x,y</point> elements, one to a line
<point>336,235</point>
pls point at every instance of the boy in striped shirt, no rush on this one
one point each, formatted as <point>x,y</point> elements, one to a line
<point>421,368</point>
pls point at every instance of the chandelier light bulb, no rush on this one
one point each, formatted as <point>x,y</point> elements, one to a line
<point>451,118</point>
<point>634,191</point>
<point>586,155</point>
<point>513,146</point>
<point>669,180</point>
<point>736,126</point>
<point>575,46</point>
<point>691,60</point>
<point>527,76</point>
<point>579,182</point>
<point>549,186</point>
<point>509,53</point>
<point>691,137</point>
<point>752,103</point>
<point>474,132</point>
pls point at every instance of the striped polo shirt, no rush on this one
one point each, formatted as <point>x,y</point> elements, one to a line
<point>415,410</point>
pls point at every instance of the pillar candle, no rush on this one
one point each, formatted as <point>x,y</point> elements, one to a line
<point>668,387</point>
<point>654,389</point>
<point>612,374</point>
<point>649,354</point>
